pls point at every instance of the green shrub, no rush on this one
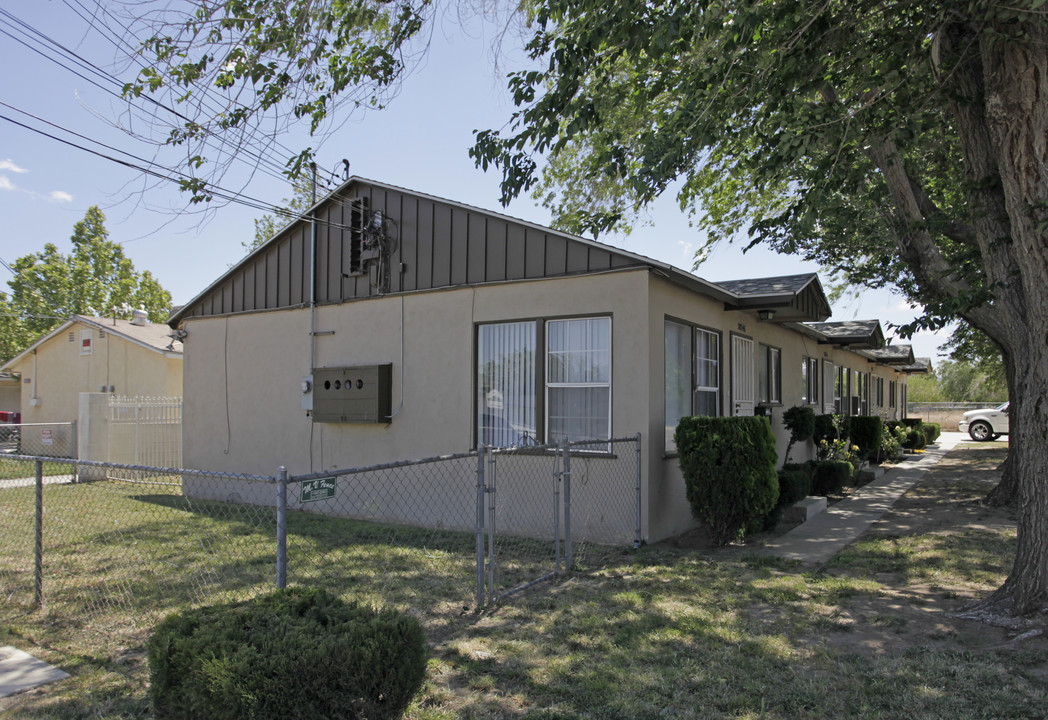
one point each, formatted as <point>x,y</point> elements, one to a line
<point>729,472</point>
<point>294,654</point>
<point>800,421</point>
<point>824,429</point>
<point>932,431</point>
<point>891,442</point>
<point>916,439</point>
<point>794,484</point>
<point>830,476</point>
<point>866,433</point>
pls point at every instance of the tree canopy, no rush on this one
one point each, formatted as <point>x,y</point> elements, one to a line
<point>95,279</point>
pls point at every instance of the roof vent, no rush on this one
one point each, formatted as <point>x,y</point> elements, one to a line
<point>139,317</point>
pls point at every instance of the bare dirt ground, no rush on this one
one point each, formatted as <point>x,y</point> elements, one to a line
<point>939,550</point>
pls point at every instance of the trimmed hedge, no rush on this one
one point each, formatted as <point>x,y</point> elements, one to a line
<point>794,484</point>
<point>800,421</point>
<point>932,431</point>
<point>824,428</point>
<point>830,476</point>
<point>729,472</point>
<point>866,433</point>
<point>296,654</point>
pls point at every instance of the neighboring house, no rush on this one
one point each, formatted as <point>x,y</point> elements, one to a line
<point>90,354</point>
<point>453,326</point>
<point>10,392</point>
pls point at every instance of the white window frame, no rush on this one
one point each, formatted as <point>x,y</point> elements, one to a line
<point>769,375</point>
<point>694,389</point>
<point>810,376</point>
<point>522,412</point>
<point>550,385</point>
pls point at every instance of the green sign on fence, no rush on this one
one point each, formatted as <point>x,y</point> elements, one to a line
<point>319,489</point>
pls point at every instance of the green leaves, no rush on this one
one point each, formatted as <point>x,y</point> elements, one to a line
<point>265,61</point>
<point>96,279</point>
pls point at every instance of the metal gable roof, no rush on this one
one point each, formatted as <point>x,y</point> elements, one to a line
<point>444,243</point>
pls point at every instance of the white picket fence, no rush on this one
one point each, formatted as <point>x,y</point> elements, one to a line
<point>145,431</point>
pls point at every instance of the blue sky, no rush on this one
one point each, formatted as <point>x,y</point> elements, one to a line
<point>419,142</point>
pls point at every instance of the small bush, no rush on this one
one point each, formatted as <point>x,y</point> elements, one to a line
<point>294,654</point>
<point>866,433</point>
<point>916,439</point>
<point>800,421</point>
<point>729,472</point>
<point>932,431</point>
<point>891,442</point>
<point>794,484</point>
<point>830,476</point>
<point>824,429</point>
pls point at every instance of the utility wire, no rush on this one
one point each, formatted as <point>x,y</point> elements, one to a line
<point>216,191</point>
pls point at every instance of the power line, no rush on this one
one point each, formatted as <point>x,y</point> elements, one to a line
<point>181,179</point>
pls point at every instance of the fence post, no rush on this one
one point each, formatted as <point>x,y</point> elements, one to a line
<point>38,545</point>
<point>636,537</point>
<point>281,527</point>
<point>480,525</point>
<point>76,452</point>
<point>558,478</point>
<point>491,477</point>
<point>569,557</point>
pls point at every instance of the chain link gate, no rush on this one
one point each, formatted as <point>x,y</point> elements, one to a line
<point>525,510</point>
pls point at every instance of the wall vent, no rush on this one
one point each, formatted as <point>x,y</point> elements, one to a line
<point>353,394</point>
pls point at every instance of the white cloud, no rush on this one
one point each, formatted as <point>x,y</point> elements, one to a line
<point>59,196</point>
<point>6,184</point>
<point>9,164</point>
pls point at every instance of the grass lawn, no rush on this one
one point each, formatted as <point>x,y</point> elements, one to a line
<point>663,632</point>
<point>16,469</point>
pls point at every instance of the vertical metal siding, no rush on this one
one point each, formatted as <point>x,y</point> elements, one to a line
<point>425,245</point>
<point>534,253</point>
<point>442,248</point>
<point>577,258</point>
<point>495,249</point>
<point>459,246</point>
<point>439,244</point>
<point>476,248</point>
<point>556,255</point>
<point>408,232</point>
<point>515,252</point>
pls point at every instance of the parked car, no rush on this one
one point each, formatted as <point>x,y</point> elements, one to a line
<point>986,423</point>
<point>10,424</point>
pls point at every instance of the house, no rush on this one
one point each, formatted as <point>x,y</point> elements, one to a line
<point>401,325</point>
<point>92,354</point>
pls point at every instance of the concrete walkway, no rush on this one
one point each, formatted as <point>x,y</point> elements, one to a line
<point>820,538</point>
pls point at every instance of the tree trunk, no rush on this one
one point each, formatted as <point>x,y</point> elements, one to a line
<point>1016,78</point>
<point>1006,493</point>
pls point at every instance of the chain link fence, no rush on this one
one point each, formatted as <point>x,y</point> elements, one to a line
<point>113,548</point>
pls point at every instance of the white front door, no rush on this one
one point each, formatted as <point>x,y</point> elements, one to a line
<point>743,383</point>
<point>829,379</point>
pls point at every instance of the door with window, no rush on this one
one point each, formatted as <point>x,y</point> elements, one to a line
<point>743,390</point>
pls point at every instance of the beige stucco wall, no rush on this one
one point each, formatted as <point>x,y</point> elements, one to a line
<point>60,373</point>
<point>252,364</point>
<point>242,406</point>
<point>667,508</point>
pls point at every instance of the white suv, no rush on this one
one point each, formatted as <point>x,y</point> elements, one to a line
<point>985,424</point>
